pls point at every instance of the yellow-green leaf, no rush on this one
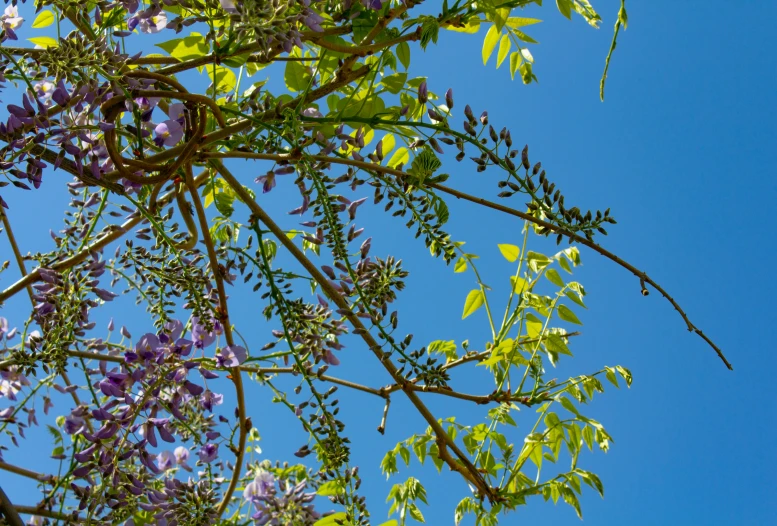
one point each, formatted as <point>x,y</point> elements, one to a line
<point>518,21</point>
<point>44,42</point>
<point>515,63</point>
<point>504,48</point>
<point>472,26</point>
<point>193,46</point>
<point>519,284</point>
<point>489,43</point>
<point>474,302</point>
<point>388,143</point>
<point>224,78</point>
<point>332,520</point>
<point>510,252</point>
<point>44,19</point>
<point>401,156</point>
<point>566,314</point>
<point>527,55</point>
<point>460,266</point>
<point>533,325</point>
<point>554,277</point>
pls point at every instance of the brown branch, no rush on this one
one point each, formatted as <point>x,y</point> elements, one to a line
<point>7,509</point>
<point>16,252</point>
<point>26,472</point>
<point>237,378</point>
<point>469,471</point>
<point>42,512</point>
<point>644,278</point>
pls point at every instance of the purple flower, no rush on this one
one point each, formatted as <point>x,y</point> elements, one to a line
<point>181,457</point>
<point>228,6</point>
<point>73,424</point>
<point>267,181</point>
<point>330,358</point>
<point>208,452</point>
<point>231,356</point>
<point>176,112</point>
<point>208,399</point>
<point>202,337</point>
<point>164,460</point>
<point>153,24</point>
<point>261,486</point>
<point>148,345</point>
<point>353,206</point>
<point>168,133</point>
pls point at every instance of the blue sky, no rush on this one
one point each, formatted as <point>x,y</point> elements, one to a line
<point>680,151</point>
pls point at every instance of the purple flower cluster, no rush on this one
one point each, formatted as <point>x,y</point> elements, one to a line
<point>291,506</point>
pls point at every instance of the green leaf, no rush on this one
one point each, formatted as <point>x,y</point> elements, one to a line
<point>566,314</point>
<point>555,343</point>
<point>567,404</point>
<point>332,520</point>
<point>296,76</point>
<point>403,54</point>
<point>44,42</point>
<point>609,372</point>
<point>524,37</point>
<point>332,487</point>
<point>625,373</point>
<point>448,348</point>
<point>504,49</point>
<point>471,26</point>
<point>515,63</point>
<point>473,302</point>
<point>489,43</point>
<point>401,156</point>
<point>44,19</point>
<point>193,46</point>
<point>565,7</point>
<point>461,265</point>
<point>392,522</point>
<point>554,277</point>
<point>223,78</point>
<point>518,21</point>
<point>415,513</point>
<point>394,83</point>
<point>510,252</point>
<point>574,297</point>
<point>533,325</point>
<point>519,284</point>
<point>537,261</point>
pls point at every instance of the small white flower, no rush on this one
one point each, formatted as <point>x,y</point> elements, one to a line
<point>11,18</point>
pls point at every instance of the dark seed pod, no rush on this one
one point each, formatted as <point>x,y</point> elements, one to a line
<point>525,157</point>
<point>536,168</point>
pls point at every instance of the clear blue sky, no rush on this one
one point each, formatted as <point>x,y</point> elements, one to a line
<point>682,151</point>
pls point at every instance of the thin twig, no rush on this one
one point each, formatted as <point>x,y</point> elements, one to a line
<point>644,278</point>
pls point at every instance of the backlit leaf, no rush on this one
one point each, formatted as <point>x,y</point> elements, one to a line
<point>44,19</point>
<point>473,302</point>
<point>566,314</point>
<point>489,43</point>
<point>510,252</point>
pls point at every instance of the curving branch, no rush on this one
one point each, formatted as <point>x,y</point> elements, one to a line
<point>467,469</point>
<point>373,167</point>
